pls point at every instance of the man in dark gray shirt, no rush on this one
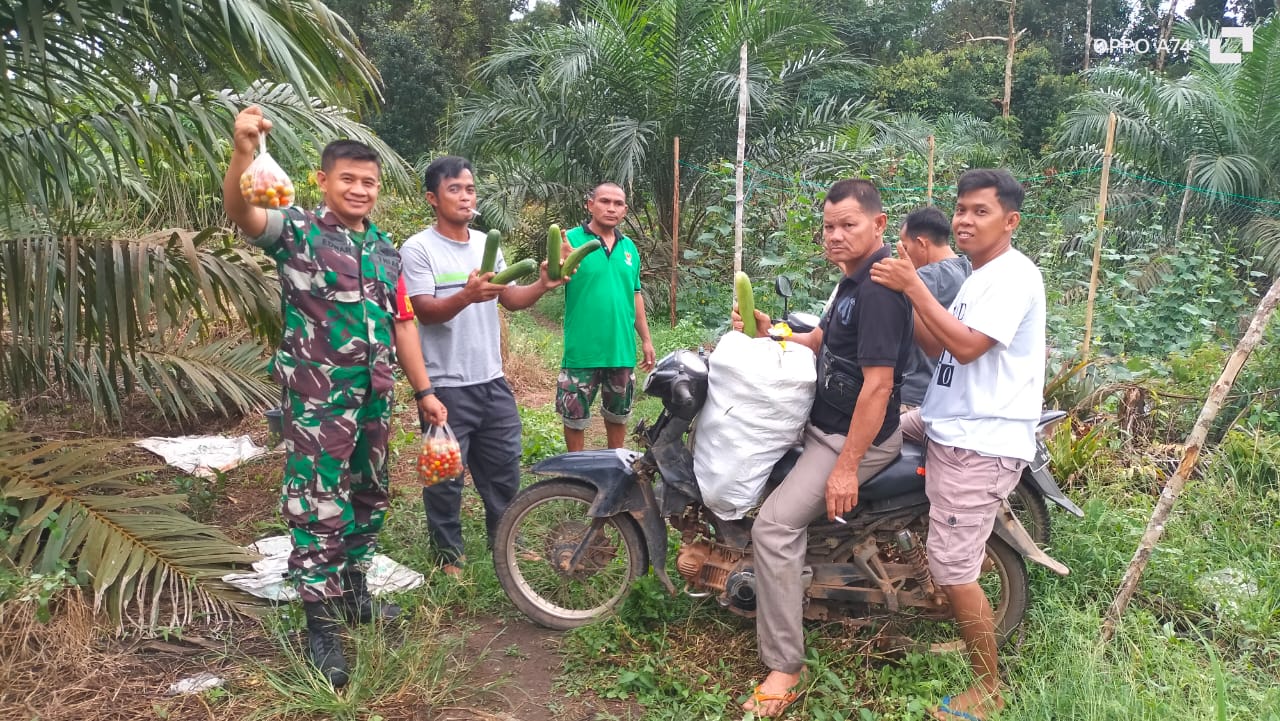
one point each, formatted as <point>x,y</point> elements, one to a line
<point>926,242</point>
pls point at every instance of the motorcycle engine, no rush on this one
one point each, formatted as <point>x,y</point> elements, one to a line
<point>723,570</point>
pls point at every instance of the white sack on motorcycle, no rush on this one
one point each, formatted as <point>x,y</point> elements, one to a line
<point>759,393</point>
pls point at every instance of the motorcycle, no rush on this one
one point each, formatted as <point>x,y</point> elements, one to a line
<point>1037,487</point>
<point>568,548</point>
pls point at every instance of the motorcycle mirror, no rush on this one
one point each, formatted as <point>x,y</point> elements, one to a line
<point>782,284</point>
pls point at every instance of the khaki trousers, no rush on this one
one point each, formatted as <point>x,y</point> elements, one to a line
<point>780,535</point>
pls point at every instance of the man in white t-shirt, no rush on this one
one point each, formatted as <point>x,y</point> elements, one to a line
<point>457,309</point>
<point>980,409</point>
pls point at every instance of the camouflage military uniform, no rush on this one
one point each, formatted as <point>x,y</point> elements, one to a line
<point>334,361</point>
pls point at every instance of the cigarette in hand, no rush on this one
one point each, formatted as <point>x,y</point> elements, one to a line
<point>840,519</point>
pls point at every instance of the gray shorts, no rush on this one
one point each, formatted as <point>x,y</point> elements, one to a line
<point>965,491</point>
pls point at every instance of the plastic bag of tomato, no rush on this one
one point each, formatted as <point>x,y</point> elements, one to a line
<point>441,456</point>
<point>264,183</point>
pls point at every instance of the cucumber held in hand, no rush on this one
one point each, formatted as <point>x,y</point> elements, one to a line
<point>746,303</point>
<point>571,263</point>
<point>554,239</point>
<point>490,251</point>
<point>516,271</point>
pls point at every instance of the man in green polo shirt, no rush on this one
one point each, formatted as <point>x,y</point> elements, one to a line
<point>603,312</point>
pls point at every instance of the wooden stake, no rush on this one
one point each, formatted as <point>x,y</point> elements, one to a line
<point>1195,441</point>
<point>1097,243</point>
<point>675,231</point>
<point>744,102</point>
<point>928,193</point>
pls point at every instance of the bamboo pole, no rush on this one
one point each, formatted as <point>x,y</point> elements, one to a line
<point>744,102</point>
<point>1195,441</point>
<point>675,230</point>
<point>928,193</point>
<point>1097,243</point>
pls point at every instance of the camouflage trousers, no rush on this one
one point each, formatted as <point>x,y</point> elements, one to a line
<point>334,495</point>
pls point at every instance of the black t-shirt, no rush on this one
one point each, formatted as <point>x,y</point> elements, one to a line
<point>866,325</point>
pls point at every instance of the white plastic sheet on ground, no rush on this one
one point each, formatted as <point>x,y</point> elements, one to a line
<point>202,455</point>
<point>198,683</point>
<point>269,580</point>
<point>759,394</point>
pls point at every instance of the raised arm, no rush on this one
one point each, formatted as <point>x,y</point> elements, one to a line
<point>250,124</point>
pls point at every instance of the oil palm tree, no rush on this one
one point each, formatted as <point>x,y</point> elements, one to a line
<point>118,109</point>
<point>1218,126</point>
<point>602,97</point>
<point>115,108</point>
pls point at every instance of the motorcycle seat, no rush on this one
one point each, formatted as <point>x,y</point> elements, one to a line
<point>900,477</point>
<point>904,475</point>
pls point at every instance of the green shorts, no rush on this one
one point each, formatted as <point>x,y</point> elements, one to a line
<point>576,390</point>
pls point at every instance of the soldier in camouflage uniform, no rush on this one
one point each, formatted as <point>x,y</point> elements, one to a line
<point>345,315</point>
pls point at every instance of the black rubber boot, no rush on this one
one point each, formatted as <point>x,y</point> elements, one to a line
<point>325,643</point>
<point>358,604</point>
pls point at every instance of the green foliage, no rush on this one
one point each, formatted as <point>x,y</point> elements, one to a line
<point>1218,120</point>
<point>542,434</point>
<point>970,79</point>
<point>8,417</point>
<point>37,588</point>
<point>1147,289</point>
<point>143,559</point>
<point>604,97</point>
<point>423,51</point>
<point>99,319</point>
<point>202,494</point>
<point>81,122</point>
<point>1073,454</point>
<point>418,664</point>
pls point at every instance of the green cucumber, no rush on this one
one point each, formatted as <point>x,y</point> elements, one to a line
<point>571,263</point>
<point>554,239</point>
<point>746,303</point>
<point>490,251</point>
<point>516,271</point>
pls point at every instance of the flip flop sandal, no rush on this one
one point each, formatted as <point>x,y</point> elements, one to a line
<point>759,698</point>
<point>945,707</point>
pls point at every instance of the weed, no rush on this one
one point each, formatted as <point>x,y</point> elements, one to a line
<point>203,494</point>
<point>542,433</point>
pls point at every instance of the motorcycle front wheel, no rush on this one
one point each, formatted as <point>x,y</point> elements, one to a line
<point>534,546</point>
<point>1029,508</point>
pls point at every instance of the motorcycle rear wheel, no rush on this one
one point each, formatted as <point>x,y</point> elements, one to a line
<point>1004,578</point>
<point>535,541</point>
<point>1030,510</point>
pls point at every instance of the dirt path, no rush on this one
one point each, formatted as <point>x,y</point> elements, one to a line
<point>520,661</point>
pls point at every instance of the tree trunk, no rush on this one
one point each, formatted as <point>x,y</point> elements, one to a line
<point>1088,32</point>
<point>1008,61</point>
<point>1162,44</point>
<point>1195,441</point>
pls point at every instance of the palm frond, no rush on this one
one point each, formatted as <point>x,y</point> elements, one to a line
<point>147,564</point>
<point>100,318</point>
<point>95,96</point>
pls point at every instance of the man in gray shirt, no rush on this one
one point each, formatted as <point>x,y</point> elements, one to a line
<point>926,242</point>
<point>457,307</point>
